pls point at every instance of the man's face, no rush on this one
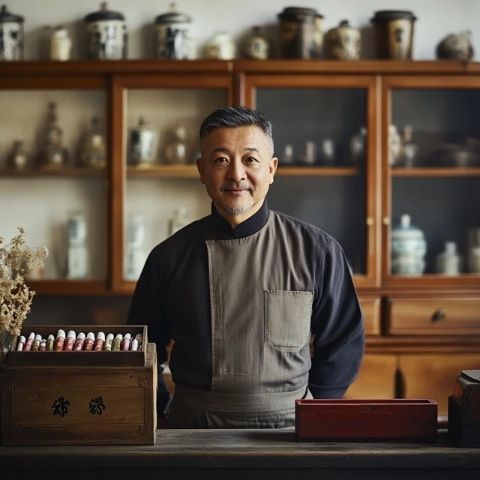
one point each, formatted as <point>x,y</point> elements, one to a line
<point>237,167</point>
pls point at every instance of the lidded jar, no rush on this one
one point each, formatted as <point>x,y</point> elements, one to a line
<point>107,34</point>
<point>174,36</point>
<point>408,248</point>
<point>221,46</point>
<point>11,35</point>
<point>142,148</point>
<point>301,32</point>
<point>60,44</point>
<point>343,42</point>
<point>257,46</point>
<point>394,33</point>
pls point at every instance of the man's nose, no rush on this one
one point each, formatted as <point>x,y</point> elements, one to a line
<point>236,170</point>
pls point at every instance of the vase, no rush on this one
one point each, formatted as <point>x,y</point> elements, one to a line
<point>7,344</point>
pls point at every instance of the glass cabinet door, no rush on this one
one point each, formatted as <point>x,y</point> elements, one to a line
<point>53,162</point>
<point>324,139</point>
<point>159,146</point>
<point>432,192</point>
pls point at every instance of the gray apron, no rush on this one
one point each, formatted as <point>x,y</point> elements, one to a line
<point>261,295</point>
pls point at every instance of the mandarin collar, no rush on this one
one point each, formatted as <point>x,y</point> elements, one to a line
<point>223,231</point>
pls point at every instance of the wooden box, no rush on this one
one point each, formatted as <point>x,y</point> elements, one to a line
<point>464,410</point>
<point>409,420</point>
<point>80,398</point>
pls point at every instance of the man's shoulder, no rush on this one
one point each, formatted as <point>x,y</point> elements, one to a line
<point>308,231</point>
<point>181,238</point>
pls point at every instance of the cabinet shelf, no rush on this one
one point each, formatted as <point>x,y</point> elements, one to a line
<point>435,172</point>
<point>318,171</point>
<point>173,171</point>
<point>54,172</point>
<point>63,286</point>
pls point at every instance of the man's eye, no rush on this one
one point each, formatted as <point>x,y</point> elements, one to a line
<point>251,160</point>
<point>220,160</point>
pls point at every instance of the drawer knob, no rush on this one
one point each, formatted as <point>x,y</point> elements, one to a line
<point>439,315</point>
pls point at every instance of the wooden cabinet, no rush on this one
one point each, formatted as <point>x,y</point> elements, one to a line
<point>341,167</point>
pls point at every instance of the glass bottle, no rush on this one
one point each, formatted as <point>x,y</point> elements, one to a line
<point>77,253</point>
<point>53,154</point>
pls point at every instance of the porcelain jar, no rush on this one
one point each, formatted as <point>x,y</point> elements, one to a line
<point>449,262</point>
<point>60,44</point>
<point>394,31</point>
<point>300,33</point>
<point>11,35</point>
<point>142,147</point>
<point>221,46</point>
<point>343,42</point>
<point>174,35</point>
<point>408,248</point>
<point>106,34</point>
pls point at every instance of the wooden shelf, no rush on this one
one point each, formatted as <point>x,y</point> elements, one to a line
<point>54,172</point>
<point>69,287</point>
<point>435,172</point>
<point>167,171</point>
<point>318,171</point>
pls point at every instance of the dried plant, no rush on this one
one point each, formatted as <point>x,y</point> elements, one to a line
<point>16,261</point>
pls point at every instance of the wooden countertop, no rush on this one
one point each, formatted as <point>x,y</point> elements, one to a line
<point>246,454</point>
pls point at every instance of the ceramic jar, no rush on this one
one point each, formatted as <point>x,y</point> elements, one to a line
<point>343,42</point>
<point>77,253</point>
<point>408,248</point>
<point>93,153</point>
<point>135,255</point>
<point>11,35</point>
<point>394,31</point>
<point>221,46</point>
<point>449,262</point>
<point>174,34</point>
<point>176,149</point>
<point>18,157</point>
<point>301,33</point>
<point>106,34</point>
<point>257,46</point>
<point>142,148</point>
<point>60,44</point>
<point>474,250</point>
<point>455,46</point>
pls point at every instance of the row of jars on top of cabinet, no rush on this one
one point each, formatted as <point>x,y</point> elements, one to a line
<point>300,34</point>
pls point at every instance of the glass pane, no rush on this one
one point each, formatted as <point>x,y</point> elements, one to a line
<point>444,209</point>
<point>315,127</point>
<point>436,128</point>
<point>41,197</point>
<point>163,191</point>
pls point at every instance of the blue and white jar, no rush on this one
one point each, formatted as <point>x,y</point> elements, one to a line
<point>11,35</point>
<point>408,248</point>
<point>107,34</point>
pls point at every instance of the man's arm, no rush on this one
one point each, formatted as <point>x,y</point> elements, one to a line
<point>337,328</point>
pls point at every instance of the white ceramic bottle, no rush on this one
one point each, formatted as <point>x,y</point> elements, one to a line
<point>449,262</point>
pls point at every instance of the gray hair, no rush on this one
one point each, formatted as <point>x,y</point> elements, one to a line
<point>231,117</point>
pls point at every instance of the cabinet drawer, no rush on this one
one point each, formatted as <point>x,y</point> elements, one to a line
<point>371,315</point>
<point>440,316</point>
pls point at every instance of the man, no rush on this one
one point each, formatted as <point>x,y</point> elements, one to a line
<point>245,292</point>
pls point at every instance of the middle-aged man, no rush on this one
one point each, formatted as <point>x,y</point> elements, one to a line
<point>261,306</point>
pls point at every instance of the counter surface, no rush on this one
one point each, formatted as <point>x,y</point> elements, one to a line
<point>245,454</point>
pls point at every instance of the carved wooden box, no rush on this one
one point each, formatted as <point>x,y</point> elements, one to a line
<point>80,398</point>
<point>403,419</point>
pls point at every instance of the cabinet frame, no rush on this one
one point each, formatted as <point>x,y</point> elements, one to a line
<point>253,81</point>
<point>426,82</point>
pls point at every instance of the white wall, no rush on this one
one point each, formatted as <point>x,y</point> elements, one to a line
<point>436,19</point>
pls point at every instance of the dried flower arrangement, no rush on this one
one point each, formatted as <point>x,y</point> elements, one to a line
<point>16,261</point>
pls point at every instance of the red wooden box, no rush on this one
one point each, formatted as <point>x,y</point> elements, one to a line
<point>403,419</point>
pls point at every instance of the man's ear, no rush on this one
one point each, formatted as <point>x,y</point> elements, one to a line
<point>200,168</point>
<point>273,168</point>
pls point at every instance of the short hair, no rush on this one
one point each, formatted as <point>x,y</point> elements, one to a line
<point>231,117</point>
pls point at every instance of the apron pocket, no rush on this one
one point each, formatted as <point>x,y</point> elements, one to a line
<point>287,319</point>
